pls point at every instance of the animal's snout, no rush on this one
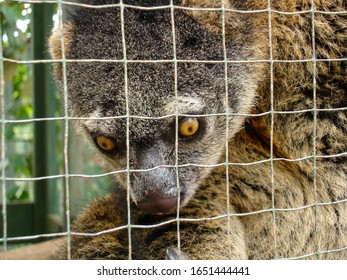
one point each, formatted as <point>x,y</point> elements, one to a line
<point>155,190</point>
<point>159,205</point>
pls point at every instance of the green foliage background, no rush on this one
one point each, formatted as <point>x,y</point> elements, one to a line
<point>16,30</point>
<point>18,101</point>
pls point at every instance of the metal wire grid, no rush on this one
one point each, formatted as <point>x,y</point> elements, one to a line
<point>2,142</point>
<point>66,118</point>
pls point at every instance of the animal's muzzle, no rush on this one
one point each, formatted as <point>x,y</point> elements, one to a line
<point>159,205</point>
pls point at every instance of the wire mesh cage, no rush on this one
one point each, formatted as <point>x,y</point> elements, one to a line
<point>228,119</point>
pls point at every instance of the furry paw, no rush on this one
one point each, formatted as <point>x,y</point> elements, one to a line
<point>174,254</point>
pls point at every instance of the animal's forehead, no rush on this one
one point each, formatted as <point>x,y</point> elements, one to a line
<point>145,89</point>
<point>142,34</point>
<point>140,76</point>
<point>150,89</point>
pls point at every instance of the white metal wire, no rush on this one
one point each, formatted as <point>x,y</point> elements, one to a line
<point>66,131</point>
<point>173,31</point>
<point>177,7</point>
<point>229,161</point>
<point>226,89</point>
<point>2,148</point>
<point>272,128</point>
<point>129,226</point>
<point>314,138</point>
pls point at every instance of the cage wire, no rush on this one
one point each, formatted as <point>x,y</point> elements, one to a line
<point>2,149</point>
<point>228,162</point>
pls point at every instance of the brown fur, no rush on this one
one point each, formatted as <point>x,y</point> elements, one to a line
<point>317,223</point>
<point>55,44</point>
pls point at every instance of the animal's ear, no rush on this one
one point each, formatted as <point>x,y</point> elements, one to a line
<point>60,36</point>
<point>209,14</point>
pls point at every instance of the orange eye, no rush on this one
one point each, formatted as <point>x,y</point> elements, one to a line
<point>105,143</point>
<point>188,127</point>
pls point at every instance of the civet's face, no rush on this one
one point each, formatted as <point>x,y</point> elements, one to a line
<point>150,76</point>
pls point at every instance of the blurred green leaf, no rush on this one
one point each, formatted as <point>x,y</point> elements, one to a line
<point>19,137</point>
<point>18,193</point>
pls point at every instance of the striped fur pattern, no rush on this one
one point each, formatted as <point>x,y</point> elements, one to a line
<point>286,203</point>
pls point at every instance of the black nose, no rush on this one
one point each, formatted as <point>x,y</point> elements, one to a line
<point>159,205</point>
